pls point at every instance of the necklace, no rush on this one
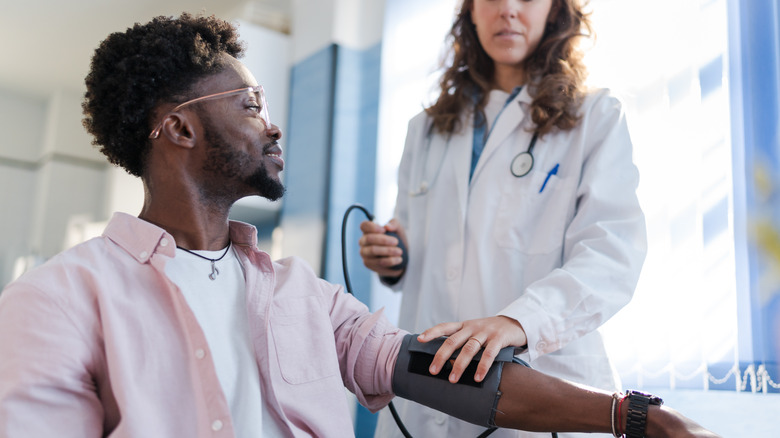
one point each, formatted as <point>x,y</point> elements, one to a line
<point>214,270</point>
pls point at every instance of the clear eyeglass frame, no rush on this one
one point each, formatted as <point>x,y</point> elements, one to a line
<point>257,90</point>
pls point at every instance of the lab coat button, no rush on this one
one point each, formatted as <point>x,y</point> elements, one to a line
<point>216,426</point>
<point>199,353</point>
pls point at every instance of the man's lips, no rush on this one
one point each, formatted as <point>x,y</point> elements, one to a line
<point>274,152</point>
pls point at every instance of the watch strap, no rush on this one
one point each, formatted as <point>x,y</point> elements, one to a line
<point>636,418</point>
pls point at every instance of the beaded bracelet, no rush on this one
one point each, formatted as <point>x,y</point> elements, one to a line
<point>615,397</point>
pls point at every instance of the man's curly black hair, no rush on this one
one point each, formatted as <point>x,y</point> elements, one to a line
<point>131,72</point>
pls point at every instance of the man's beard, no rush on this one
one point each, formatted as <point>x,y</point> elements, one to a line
<point>227,163</point>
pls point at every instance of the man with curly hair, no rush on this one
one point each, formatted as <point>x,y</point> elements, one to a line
<point>173,323</point>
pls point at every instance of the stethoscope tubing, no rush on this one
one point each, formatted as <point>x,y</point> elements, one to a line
<point>424,185</point>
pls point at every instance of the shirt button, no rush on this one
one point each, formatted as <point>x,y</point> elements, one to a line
<point>440,418</point>
<point>143,254</point>
<point>216,425</point>
<point>199,353</point>
<point>541,346</point>
<point>164,242</point>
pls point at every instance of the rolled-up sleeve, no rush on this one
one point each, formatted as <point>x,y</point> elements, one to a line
<point>368,345</point>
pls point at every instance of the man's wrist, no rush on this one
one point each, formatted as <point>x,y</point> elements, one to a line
<point>639,404</point>
<point>658,421</point>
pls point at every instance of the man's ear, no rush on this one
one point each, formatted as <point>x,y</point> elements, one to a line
<point>178,129</point>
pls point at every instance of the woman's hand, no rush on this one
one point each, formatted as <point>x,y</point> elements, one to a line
<point>379,251</point>
<point>493,333</point>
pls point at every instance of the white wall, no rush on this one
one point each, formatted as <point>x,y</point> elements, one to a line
<point>21,143</point>
<point>318,23</point>
<point>52,175</point>
<point>21,126</point>
<point>15,212</point>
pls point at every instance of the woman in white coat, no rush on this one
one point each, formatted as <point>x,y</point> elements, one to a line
<point>516,202</point>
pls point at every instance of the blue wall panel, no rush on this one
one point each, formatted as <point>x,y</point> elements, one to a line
<point>760,49</point>
<point>308,140</point>
<point>353,173</point>
<point>353,160</point>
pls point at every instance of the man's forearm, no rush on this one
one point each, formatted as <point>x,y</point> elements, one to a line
<point>534,401</point>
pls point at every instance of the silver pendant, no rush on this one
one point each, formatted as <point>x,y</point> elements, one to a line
<point>214,271</point>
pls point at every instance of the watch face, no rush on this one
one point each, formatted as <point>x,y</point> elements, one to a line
<point>652,399</point>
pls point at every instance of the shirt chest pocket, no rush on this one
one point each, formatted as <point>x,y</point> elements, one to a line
<point>533,213</point>
<point>303,337</point>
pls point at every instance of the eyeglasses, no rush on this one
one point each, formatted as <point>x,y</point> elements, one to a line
<point>255,93</point>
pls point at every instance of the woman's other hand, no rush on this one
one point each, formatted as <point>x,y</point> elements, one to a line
<point>379,251</point>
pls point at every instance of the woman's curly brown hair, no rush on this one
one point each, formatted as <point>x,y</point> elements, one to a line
<point>132,72</point>
<point>556,71</point>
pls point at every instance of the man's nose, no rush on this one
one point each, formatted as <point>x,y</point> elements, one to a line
<point>273,132</point>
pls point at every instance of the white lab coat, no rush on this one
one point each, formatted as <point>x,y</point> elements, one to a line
<point>561,261</point>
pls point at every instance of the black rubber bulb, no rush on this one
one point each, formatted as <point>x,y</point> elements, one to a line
<point>404,256</point>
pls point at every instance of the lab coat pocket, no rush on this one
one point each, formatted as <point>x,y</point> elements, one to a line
<point>302,331</point>
<point>533,213</point>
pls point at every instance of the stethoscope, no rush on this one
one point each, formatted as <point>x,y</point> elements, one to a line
<point>521,164</point>
<point>524,161</point>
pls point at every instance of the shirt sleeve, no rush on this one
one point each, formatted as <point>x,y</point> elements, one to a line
<point>604,244</point>
<point>45,386</point>
<point>367,345</point>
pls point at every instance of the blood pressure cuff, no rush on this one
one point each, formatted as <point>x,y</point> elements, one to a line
<point>467,400</point>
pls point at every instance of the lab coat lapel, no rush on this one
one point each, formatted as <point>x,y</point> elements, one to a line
<point>511,119</point>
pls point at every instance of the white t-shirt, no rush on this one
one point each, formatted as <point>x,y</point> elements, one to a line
<point>220,308</point>
<point>495,104</point>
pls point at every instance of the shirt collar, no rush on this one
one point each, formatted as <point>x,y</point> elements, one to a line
<point>524,97</point>
<point>141,239</point>
<point>243,234</point>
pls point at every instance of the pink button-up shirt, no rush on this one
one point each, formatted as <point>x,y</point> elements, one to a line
<point>99,342</point>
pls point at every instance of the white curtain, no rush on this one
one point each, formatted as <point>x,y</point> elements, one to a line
<point>669,61</point>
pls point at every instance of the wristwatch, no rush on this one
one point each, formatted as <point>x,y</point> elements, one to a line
<point>636,421</point>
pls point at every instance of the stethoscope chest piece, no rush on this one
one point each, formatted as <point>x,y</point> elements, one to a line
<point>522,164</point>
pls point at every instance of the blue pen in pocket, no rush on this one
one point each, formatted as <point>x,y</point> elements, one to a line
<point>553,171</point>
